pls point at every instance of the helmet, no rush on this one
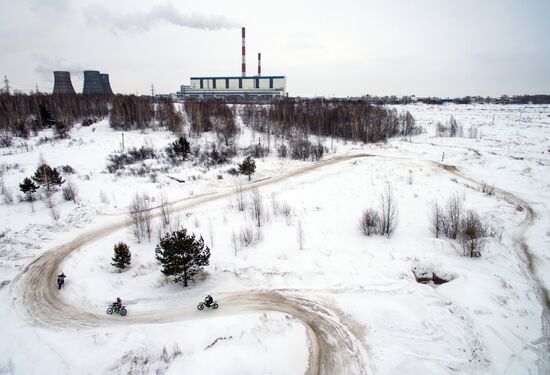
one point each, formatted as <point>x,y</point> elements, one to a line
<point>118,299</point>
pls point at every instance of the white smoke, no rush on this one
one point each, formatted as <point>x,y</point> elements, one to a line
<point>98,15</point>
<point>46,66</point>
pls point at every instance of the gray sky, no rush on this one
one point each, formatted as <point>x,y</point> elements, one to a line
<point>341,48</point>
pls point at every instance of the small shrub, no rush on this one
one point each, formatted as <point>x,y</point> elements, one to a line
<point>472,233</point>
<point>487,189</point>
<point>370,221</point>
<point>248,236</point>
<point>70,191</point>
<point>67,169</point>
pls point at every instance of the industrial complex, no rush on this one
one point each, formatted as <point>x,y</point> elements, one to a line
<point>224,86</point>
<point>243,86</point>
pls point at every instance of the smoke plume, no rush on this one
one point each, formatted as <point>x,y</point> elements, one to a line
<point>98,15</point>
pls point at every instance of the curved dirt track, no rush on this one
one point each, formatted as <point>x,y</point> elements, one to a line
<point>336,342</point>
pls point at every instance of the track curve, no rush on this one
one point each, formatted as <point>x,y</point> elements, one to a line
<point>336,341</point>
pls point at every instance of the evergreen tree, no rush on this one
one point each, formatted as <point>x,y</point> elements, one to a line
<point>122,257</point>
<point>47,177</point>
<point>28,188</point>
<point>247,167</point>
<point>181,255</point>
<point>179,150</point>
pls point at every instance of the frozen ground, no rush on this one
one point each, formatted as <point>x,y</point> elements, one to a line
<point>328,293</point>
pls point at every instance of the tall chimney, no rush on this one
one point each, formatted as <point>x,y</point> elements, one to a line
<point>243,54</point>
<point>259,64</point>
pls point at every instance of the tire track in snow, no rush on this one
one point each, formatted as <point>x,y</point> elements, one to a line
<point>336,342</point>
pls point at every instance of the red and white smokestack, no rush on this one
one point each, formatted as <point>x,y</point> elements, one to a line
<point>259,64</point>
<point>244,54</point>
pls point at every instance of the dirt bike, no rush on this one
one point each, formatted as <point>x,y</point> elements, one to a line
<point>202,305</point>
<point>114,309</point>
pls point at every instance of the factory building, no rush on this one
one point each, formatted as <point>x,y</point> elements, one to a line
<point>266,86</point>
<point>224,86</point>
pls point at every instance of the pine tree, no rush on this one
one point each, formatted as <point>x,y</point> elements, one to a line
<point>179,150</point>
<point>28,188</point>
<point>47,177</point>
<point>181,255</point>
<point>122,257</point>
<point>247,167</point>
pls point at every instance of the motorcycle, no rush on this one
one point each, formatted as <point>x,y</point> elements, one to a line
<point>114,309</point>
<point>202,305</point>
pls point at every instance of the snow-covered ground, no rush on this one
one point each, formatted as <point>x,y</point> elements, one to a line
<point>486,320</point>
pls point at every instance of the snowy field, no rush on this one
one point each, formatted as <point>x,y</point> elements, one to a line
<point>490,318</point>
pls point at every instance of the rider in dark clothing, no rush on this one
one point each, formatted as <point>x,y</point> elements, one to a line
<point>208,300</point>
<point>118,303</point>
<point>61,279</point>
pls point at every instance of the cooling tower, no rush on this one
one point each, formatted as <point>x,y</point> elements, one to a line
<point>105,83</point>
<point>92,82</point>
<point>62,83</point>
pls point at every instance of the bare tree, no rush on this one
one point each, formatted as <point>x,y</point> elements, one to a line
<point>165,213</point>
<point>257,207</point>
<point>369,222</point>
<point>451,225</point>
<point>389,212</point>
<point>140,217</point>
<point>472,233</point>
<point>235,242</point>
<point>300,235</point>
<point>239,196</point>
<point>437,218</point>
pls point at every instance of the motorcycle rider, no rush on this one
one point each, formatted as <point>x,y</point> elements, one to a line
<point>61,279</point>
<point>208,300</point>
<point>118,304</point>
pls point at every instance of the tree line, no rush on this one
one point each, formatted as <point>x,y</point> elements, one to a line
<point>22,115</point>
<point>355,120</point>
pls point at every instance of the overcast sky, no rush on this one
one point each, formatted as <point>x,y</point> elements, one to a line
<point>340,48</point>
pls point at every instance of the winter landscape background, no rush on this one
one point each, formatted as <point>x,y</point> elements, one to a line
<point>309,292</point>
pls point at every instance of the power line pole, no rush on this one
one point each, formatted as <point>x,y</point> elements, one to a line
<point>6,85</point>
<point>37,88</point>
<point>152,91</point>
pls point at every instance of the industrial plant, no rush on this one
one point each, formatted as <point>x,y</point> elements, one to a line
<point>94,83</point>
<point>224,86</point>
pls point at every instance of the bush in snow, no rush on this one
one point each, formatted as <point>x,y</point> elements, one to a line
<point>247,167</point>
<point>182,255</point>
<point>122,257</point>
<point>487,189</point>
<point>472,233</point>
<point>117,161</point>
<point>257,207</point>
<point>70,191</point>
<point>248,236</point>
<point>179,150</point>
<point>370,221</point>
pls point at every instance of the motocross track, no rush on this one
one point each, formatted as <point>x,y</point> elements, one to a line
<point>337,343</point>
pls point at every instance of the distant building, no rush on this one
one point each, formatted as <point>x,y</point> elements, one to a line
<point>259,86</point>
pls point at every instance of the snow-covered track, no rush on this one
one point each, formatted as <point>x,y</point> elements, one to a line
<point>336,342</point>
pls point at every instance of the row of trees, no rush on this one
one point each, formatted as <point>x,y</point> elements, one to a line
<point>352,120</point>
<point>212,115</point>
<point>21,115</point>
